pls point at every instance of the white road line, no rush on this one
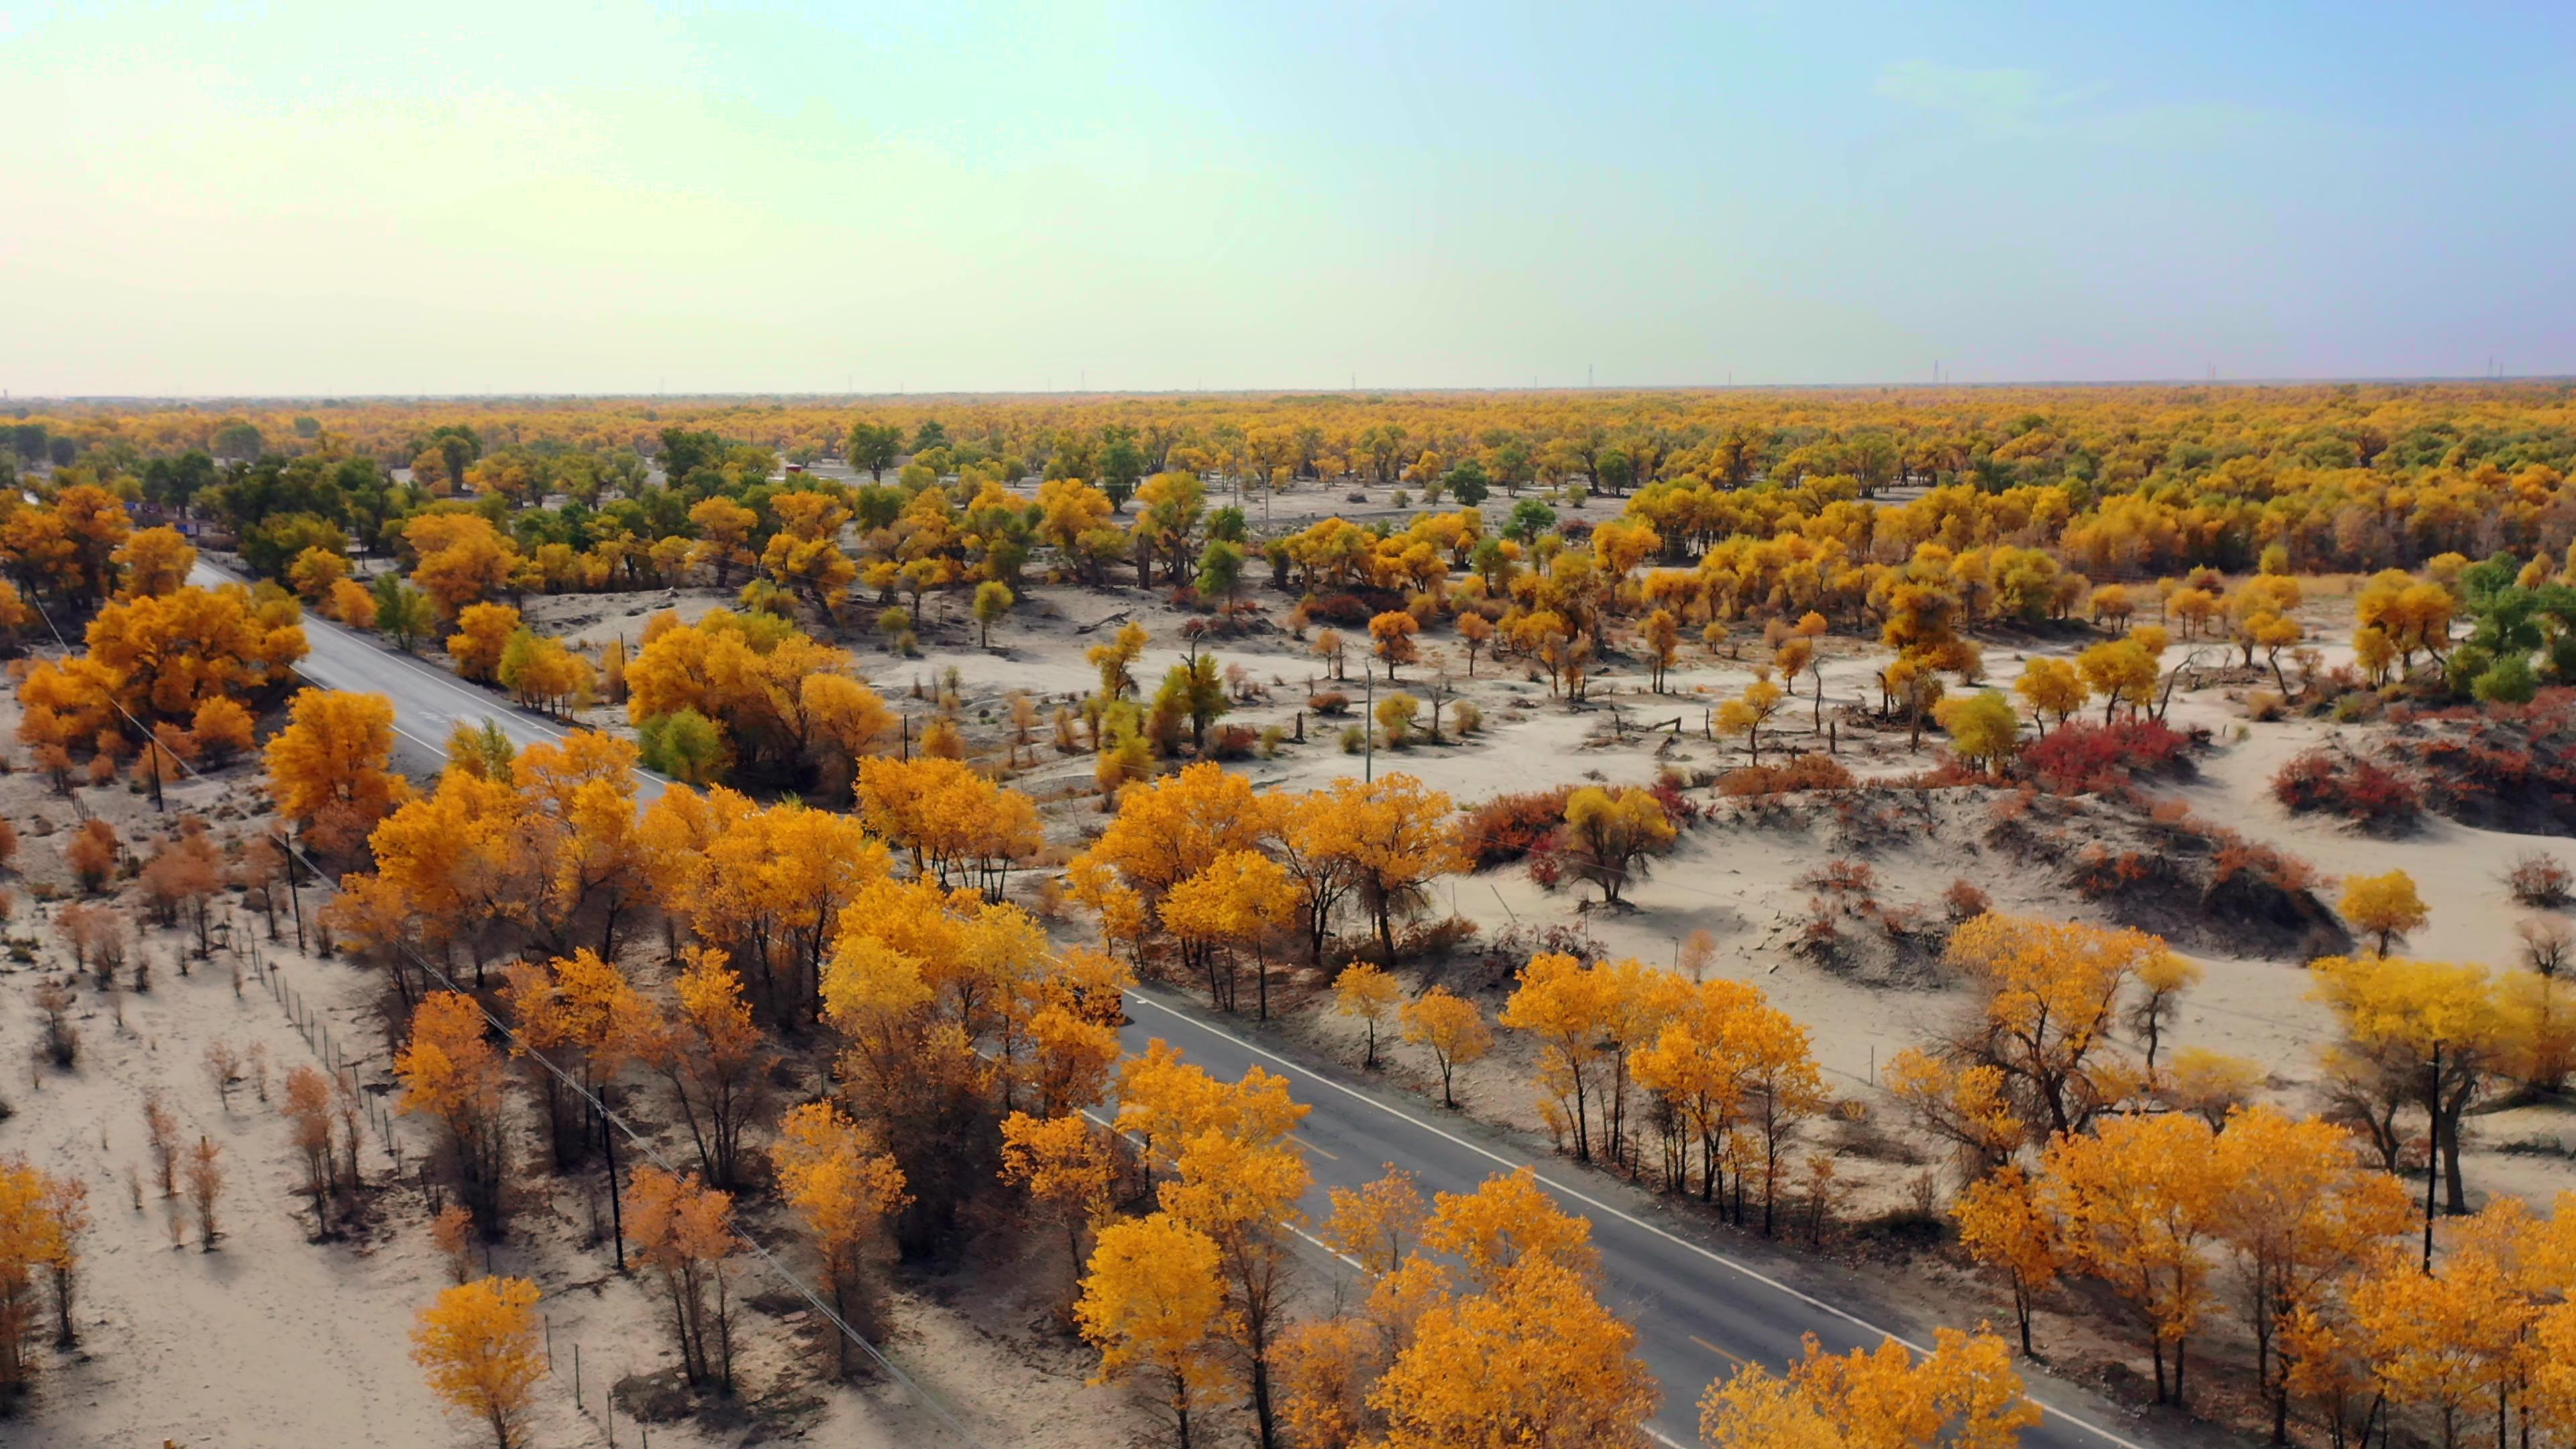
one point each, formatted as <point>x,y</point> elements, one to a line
<point>1597,1205</point>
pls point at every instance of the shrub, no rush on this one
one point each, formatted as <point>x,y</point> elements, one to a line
<point>1546,867</point>
<point>1339,609</point>
<point>1965,902</point>
<point>2538,878</point>
<point>1843,877</point>
<point>1236,742</point>
<point>2357,789</point>
<point>1805,772</point>
<point>1354,739</point>
<point>93,852</point>
<point>2101,872</point>
<point>2078,758</point>
<point>1508,827</point>
<point>1331,701</point>
<point>1465,718</point>
<point>1679,808</point>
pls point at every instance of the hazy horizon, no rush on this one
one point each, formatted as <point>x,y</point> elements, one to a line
<point>307,201</point>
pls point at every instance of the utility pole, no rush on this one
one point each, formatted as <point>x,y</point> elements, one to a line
<point>1368,724</point>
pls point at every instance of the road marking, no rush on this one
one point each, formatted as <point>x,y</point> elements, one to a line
<point>1311,1147</point>
<point>1713,1348</point>
<point>1597,1205</point>
<point>1327,1247</point>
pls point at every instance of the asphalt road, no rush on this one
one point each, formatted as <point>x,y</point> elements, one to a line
<point>1701,1303</point>
<point>429,703</point>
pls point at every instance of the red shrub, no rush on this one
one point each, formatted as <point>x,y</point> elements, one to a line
<point>1234,742</point>
<point>2355,788</point>
<point>1508,827</point>
<point>1964,901</point>
<point>1680,810</point>
<point>2079,758</point>
<point>1338,609</point>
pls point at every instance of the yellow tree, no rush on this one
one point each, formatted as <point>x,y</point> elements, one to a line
<point>1697,1068</point>
<point>2299,1212</point>
<point>482,635</point>
<point>1154,1305</point>
<point>2051,992</point>
<point>713,1056</point>
<point>1116,661</point>
<point>684,1236</point>
<point>1608,837</point>
<point>328,769</point>
<point>2001,1224</point>
<point>2448,1341</point>
<point>1782,1087</point>
<point>155,561</point>
<point>2385,906</point>
<point>1391,636</point>
<point>2439,1032</point>
<point>1963,1394</point>
<point>1241,1191</point>
<point>1165,833</point>
<point>1749,711</point>
<point>1066,1170</point>
<point>168,654</point>
<point>1983,729</point>
<point>1568,1009</point>
<point>1239,900</point>
<point>1378,1223</point>
<point>2051,688</point>
<point>451,1072</point>
<point>480,1347</point>
<point>1533,1360</point>
<point>1660,632</point>
<point>842,1190</point>
<point>1366,991</point>
<point>2138,1203</point>
<point>1391,838</point>
<point>2121,671</point>
<point>1451,1028</point>
<point>1507,1222</point>
<point>463,559</point>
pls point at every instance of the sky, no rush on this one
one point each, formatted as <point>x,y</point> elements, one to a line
<point>358,198</point>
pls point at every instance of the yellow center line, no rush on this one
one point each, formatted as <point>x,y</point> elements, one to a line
<point>1713,1348</point>
<point>1311,1147</point>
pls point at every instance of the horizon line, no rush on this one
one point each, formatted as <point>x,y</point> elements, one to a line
<point>825,395</point>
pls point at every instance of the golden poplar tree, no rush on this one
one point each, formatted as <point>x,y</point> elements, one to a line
<point>480,1348</point>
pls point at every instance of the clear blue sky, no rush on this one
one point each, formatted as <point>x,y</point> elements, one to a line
<point>454,197</point>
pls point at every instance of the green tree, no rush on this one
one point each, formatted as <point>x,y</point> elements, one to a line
<point>1467,483</point>
<point>403,614</point>
<point>1220,570</point>
<point>1196,689</point>
<point>875,446</point>
<point>685,745</point>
